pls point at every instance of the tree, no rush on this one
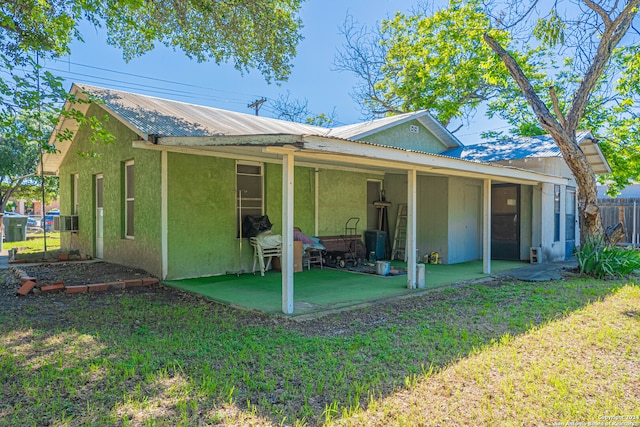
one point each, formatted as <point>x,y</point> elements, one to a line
<point>296,110</point>
<point>261,35</point>
<point>18,176</point>
<point>463,49</point>
<point>607,28</point>
<point>253,34</point>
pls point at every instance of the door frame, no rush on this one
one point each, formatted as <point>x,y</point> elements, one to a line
<point>98,212</point>
<point>509,249</point>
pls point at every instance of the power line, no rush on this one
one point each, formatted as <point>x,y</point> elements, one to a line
<point>154,78</point>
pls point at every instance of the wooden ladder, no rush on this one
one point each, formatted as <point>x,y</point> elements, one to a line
<point>400,235</point>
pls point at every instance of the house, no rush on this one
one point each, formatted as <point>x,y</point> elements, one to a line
<point>168,195</point>
<point>511,224</point>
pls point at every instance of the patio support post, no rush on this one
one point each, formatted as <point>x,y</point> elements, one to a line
<point>486,227</point>
<point>164,212</point>
<point>287,233</point>
<point>316,201</point>
<point>411,229</point>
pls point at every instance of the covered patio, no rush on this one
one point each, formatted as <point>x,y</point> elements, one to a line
<point>318,291</point>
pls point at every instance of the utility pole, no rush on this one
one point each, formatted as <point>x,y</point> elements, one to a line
<point>257,103</point>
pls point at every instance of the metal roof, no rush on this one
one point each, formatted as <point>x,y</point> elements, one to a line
<point>542,146</point>
<point>358,131</point>
<point>164,117</point>
<point>181,126</point>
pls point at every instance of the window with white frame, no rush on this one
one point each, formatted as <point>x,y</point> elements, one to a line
<point>75,178</point>
<point>556,213</point>
<point>570,214</point>
<point>129,192</point>
<point>249,190</point>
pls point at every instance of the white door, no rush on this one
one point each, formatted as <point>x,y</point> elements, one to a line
<point>99,219</point>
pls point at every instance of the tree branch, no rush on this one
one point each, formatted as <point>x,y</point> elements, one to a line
<point>614,31</point>
<point>600,11</point>
<point>547,121</point>
<point>556,105</point>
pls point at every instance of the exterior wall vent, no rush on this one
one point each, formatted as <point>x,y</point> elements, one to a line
<point>414,129</point>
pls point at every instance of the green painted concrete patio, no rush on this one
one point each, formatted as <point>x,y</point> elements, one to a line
<point>318,290</point>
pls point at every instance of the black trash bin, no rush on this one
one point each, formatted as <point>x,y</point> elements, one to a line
<point>376,242</point>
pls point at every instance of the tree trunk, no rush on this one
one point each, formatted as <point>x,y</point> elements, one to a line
<point>588,212</point>
<point>563,129</point>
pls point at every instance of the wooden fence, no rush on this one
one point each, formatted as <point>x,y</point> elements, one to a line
<point>627,211</point>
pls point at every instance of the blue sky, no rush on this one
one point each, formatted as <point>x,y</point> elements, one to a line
<point>168,74</point>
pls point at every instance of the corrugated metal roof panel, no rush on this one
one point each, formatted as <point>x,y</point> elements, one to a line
<point>512,149</point>
<point>165,117</point>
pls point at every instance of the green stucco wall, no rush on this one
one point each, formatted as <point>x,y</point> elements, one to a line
<point>400,136</point>
<point>342,195</point>
<point>303,201</point>
<point>144,250</point>
<point>202,216</point>
<point>201,204</point>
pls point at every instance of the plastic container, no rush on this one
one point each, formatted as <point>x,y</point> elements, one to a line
<point>383,268</point>
<point>376,241</point>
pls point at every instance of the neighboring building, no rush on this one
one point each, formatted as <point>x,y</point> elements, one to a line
<point>34,207</point>
<point>168,194</point>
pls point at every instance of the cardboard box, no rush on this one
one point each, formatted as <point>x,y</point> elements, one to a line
<point>297,256</point>
<point>297,259</point>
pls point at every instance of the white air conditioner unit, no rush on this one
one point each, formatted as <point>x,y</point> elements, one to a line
<point>65,223</point>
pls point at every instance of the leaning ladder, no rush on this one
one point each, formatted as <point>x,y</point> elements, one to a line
<point>400,235</point>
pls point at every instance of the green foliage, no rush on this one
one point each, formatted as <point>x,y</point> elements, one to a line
<point>611,114</point>
<point>440,62</point>
<point>253,34</point>
<point>600,260</point>
<point>28,113</point>
<point>550,31</point>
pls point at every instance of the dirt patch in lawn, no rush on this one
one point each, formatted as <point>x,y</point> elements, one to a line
<point>82,273</point>
<point>344,323</point>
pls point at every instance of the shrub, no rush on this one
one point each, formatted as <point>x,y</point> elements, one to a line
<point>600,260</point>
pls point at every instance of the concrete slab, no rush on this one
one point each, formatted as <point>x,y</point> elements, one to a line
<point>540,272</point>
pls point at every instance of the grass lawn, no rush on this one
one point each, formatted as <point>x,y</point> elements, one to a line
<point>34,243</point>
<point>484,354</point>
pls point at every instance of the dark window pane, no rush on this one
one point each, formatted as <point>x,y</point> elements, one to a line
<point>130,181</point>
<point>130,209</point>
<point>99,192</point>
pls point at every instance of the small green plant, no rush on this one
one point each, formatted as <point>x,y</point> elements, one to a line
<point>600,260</point>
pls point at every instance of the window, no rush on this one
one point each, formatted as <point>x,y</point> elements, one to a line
<point>129,191</point>
<point>570,215</point>
<point>556,213</point>
<point>74,193</point>
<point>249,191</point>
